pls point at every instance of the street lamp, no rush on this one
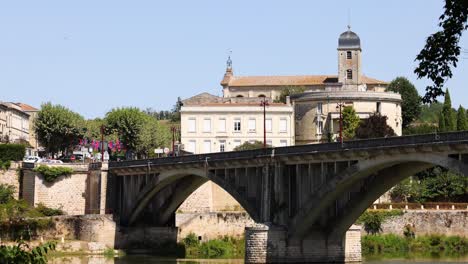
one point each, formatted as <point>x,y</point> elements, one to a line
<point>174,130</point>
<point>264,103</point>
<point>340,105</point>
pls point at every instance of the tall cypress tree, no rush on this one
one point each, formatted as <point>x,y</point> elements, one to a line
<point>461,119</point>
<point>450,120</point>
<point>441,122</point>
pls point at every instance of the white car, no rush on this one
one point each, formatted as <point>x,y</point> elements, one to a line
<point>32,159</point>
<point>51,161</point>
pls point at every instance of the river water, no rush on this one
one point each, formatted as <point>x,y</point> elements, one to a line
<point>142,259</point>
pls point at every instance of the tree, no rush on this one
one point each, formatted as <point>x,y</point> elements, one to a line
<point>175,115</point>
<point>448,120</point>
<point>411,104</point>
<point>442,48</point>
<point>439,184</point>
<point>374,127</point>
<point>128,123</point>
<point>461,119</point>
<point>58,128</point>
<point>287,91</point>
<point>350,122</point>
<point>250,146</point>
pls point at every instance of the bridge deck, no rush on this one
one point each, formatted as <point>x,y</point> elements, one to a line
<point>364,144</point>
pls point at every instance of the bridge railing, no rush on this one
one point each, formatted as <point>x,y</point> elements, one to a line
<point>303,149</point>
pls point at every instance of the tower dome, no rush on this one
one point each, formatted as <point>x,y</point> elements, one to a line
<point>349,40</point>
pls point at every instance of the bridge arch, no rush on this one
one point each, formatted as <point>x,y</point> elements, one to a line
<point>192,179</point>
<point>389,170</point>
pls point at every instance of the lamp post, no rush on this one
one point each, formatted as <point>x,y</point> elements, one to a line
<point>173,130</point>
<point>102,143</point>
<point>340,105</point>
<point>264,103</point>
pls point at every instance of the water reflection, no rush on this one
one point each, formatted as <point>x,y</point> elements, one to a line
<point>143,259</point>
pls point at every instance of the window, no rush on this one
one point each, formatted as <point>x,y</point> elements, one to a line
<point>349,74</point>
<point>206,146</point>
<point>206,125</point>
<point>349,55</point>
<point>192,144</point>
<point>268,123</point>
<point>239,95</point>
<point>283,143</point>
<point>237,125</point>
<point>283,125</point>
<point>222,145</point>
<point>378,108</point>
<point>261,95</point>
<point>236,143</point>
<point>269,142</point>
<point>319,127</point>
<point>192,125</point>
<point>222,125</point>
<point>251,125</point>
<point>319,108</point>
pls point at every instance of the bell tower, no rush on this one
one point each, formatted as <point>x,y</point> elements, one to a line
<point>349,60</point>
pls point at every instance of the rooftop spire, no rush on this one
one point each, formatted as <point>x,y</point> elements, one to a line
<point>229,61</point>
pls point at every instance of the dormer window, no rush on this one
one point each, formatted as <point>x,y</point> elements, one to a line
<point>349,74</point>
<point>349,55</point>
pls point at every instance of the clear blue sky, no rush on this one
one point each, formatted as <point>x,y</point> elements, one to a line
<point>92,56</point>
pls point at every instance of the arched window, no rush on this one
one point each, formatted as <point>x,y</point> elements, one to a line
<point>240,95</point>
<point>349,74</point>
<point>261,95</point>
<point>349,55</point>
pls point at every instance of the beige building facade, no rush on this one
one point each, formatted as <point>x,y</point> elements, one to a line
<point>215,124</point>
<point>14,123</point>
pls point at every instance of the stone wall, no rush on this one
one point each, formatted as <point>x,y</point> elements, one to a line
<point>11,177</point>
<point>219,223</point>
<point>76,194</point>
<point>425,222</point>
<point>144,237</point>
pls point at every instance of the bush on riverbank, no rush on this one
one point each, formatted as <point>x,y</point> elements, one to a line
<point>372,220</point>
<point>226,247</point>
<point>396,246</point>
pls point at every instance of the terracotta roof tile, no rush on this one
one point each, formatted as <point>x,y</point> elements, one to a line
<point>26,107</point>
<point>291,80</point>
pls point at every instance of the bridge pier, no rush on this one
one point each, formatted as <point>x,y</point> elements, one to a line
<point>267,243</point>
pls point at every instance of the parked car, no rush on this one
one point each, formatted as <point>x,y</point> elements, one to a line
<point>32,159</point>
<point>53,161</point>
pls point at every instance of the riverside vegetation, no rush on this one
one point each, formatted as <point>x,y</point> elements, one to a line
<point>407,245</point>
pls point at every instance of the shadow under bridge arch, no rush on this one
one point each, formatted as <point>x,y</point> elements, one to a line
<point>172,188</point>
<point>371,178</point>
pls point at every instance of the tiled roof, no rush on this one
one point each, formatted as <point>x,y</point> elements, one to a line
<point>26,107</point>
<point>292,80</point>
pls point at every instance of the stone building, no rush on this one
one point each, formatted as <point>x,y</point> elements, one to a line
<point>215,124</point>
<point>33,141</point>
<point>14,123</point>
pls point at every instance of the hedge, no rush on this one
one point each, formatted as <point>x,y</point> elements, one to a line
<point>13,152</point>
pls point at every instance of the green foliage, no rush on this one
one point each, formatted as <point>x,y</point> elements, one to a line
<point>461,119</point>
<point>128,123</point>
<point>13,152</point>
<point>374,127</point>
<point>372,220</point>
<point>430,113</point>
<point>50,174</point>
<point>408,232</point>
<point>442,48</point>
<point>21,253</point>
<point>402,191</point>
<point>288,91</point>
<point>6,193</point>
<point>423,128</point>
<point>411,104</point>
<point>175,115</point>
<point>47,211</point>
<point>191,240</point>
<point>350,122</point>
<point>397,246</point>
<point>58,128</point>
<point>226,247</point>
<point>5,165</point>
<point>250,146</point>
<point>447,119</point>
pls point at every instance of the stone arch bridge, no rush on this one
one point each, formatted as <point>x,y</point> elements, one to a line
<point>306,197</point>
